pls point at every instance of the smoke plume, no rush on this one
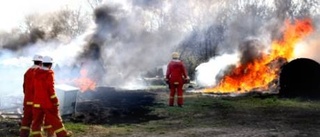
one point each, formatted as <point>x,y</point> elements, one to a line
<point>132,38</point>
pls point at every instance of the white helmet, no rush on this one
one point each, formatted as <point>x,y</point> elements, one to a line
<point>37,58</point>
<point>47,59</point>
<point>175,55</point>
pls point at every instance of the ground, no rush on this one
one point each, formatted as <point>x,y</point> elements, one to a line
<point>201,116</point>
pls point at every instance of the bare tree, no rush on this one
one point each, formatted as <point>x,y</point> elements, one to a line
<point>94,3</point>
<point>67,23</point>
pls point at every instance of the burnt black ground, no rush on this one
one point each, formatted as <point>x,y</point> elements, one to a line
<point>107,105</point>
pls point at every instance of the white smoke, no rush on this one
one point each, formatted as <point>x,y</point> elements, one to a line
<point>14,65</point>
<point>11,78</point>
<point>206,73</point>
<point>309,48</point>
<point>136,36</point>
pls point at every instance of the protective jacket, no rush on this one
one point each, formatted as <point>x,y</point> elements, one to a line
<point>28,86</point>
<point>46,104</point>
<point>44,93</point>
<point>176,72</point>
<point>28,90</point>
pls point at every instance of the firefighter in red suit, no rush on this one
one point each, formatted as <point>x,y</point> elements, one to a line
<point>45,102</point>
<point>28,91</point>
<point>176,76</point>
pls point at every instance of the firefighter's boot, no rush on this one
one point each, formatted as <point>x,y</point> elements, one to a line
<point>49,132</point>
<point>69,134</point>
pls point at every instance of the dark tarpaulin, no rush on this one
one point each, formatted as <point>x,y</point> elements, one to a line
<point>300,78</point>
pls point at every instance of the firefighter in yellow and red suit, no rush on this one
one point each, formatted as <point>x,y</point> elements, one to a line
<point>28,91</point>
<point>176,77</point>
<point>45,101</point>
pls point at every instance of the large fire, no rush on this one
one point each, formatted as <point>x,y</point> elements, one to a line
<point>259,74</point>
<point>83,82</point>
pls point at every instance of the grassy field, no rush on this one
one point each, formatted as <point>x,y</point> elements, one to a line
<point>206,116</point>
<point>218,116</point>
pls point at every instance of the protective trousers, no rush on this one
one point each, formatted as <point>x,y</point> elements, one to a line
<point>52,117</point>
<point>176,88</point>
<point>47,127</point>
<point>26,121</point>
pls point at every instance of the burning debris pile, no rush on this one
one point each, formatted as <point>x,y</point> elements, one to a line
<point>109,105</point>
<point>258,70</point>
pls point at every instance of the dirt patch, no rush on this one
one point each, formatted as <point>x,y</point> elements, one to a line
<point>9,127</point>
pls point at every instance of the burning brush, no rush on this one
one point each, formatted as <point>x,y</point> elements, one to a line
<point>260,72</point>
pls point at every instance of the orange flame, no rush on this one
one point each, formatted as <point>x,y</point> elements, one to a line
<point>83,82</point>
<point>259,74</point>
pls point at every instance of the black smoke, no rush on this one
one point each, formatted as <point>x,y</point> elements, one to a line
<point>250,50</point>
<point>20,40</point>
<point>126,43</point>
